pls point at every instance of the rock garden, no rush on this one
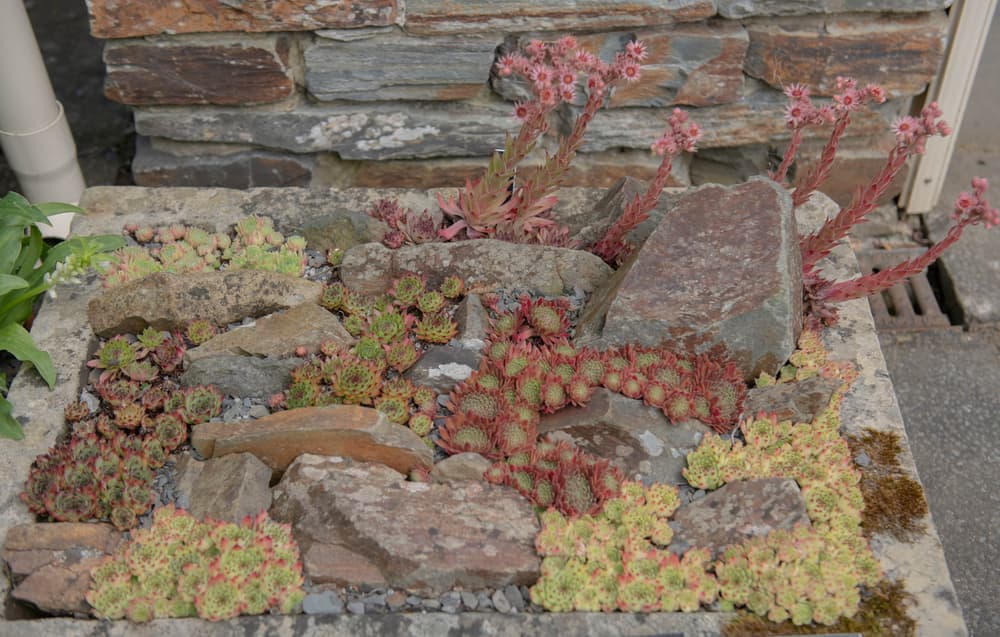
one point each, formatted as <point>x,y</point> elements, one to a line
<point>513,408</point>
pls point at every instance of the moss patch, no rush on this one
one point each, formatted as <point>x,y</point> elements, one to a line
<point>894,502</point>
<point>882,614</point>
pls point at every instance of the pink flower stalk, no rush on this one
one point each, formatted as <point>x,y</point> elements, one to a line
<point>849,99</point>
<point>680,135</point>
<point>911,138</point>
<point>971,208</point>
<point>486,207</point>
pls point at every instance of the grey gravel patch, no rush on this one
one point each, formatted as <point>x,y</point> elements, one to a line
<point>862,459</point>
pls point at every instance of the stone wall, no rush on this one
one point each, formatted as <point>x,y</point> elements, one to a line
<point>244,93</point>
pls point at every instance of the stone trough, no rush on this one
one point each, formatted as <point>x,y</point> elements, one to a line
<point>336,219</point>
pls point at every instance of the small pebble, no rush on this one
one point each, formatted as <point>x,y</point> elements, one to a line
<point>862,459</point>
<point>451,597</point>
<point>485,603</point>
<point>469,600</point>
<point>92,401</point>
<point>413,600</point>
<point>396,601</point>
<point>513,596</point>
<point>501,603</point>
<point>356,607</point>
<point>431,604</point>
<point>259,411</point>
<point>450,608</point>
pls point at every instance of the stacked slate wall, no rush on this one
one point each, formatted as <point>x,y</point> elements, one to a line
<point>244,93</point>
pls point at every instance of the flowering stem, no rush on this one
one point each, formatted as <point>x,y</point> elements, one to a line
<point>818,245</point>
<point>790,152</point>
<point>821,171</point>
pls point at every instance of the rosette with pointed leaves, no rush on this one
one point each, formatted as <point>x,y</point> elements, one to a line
<point>113,356</point>
<point>546,318</point>
<point>452,287</point>
<point>201,404</point>
<point>180,567</point>
<point>356,381</point>
<point>435,328</point>
<point>200,331</point>
<point>407,289</point>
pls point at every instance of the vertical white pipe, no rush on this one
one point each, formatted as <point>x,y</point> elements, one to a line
<point>34,133</point>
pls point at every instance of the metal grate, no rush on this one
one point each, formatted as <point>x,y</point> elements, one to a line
<point>910,305</point>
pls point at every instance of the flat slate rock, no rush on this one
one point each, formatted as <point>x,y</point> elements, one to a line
<point>242,376</point>
<point>801,401</point>
<point>170,301</point>
<point>397,530</point>
<point>227,488</point>
<point>277,335</point>
<point>636,437</point>
<point>481,263</point>
<point>460,467</point>
<point>351,431</point>
<point>50,563</point>
<point>442,367</point>
<point>736,512</point>
<point>722,268</point>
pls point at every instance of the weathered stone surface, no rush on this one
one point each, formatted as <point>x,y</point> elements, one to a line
<point>239,375</point>
<point>749,8</point>
<point>442,367</point>
<point>191,70</point>
<point>460,467</point>
<point>159,163</point>
<point>170,301</point>
<point>473,323</point>
<point>692,64</point>
<point>588,170</point>
<point>722,267</point>
<point>485,538</point>
<point>115,19</point>
<point>858,160</point>
<point>756,118</point>
<point>609,208</point>
<point>491,16</point>
<point>636,437</point>
<point>899,52</point>
<point>360,433</point>
<point>50,563</point>
<point>277,335</point>
<point>483,263</point>
<point>396,66</point>
<point>801,401</point>
<point>228,488</point>
<point>736,512</point>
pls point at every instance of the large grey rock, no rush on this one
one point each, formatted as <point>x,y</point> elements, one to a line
<point>242,376</point>
<point>170,301</point>
<point>481,263</point>
<point>634,436</point>
<point>228,488</point>
<point>423,537</point>
<point>396,66</point>
<point>277,335</point>
<point>473,323</point>
<point>723,267</point>
<point>736,512</point>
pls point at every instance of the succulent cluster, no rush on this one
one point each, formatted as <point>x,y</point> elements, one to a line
<point>104,469</point>
<point>809,574</point>
<point>254,244</point>
<point>617,559</point>
<point>180,567</point>
<point>558,475</point>
<point>405,226</point>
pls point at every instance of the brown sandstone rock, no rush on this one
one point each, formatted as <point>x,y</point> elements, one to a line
<point>227,488</point>
<point>723,267</point>
<point>360,433</point>
<point>50,563</point>
<point>422,537</point>
<point>117,19</point>
<point>801,401</point>
<point>170,301</point>
<point>736,512</point>
<point>277,335</point>
<point>460,467</point>
<point>244,70</point>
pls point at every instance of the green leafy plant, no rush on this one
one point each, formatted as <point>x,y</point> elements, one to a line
<point>30,267</point>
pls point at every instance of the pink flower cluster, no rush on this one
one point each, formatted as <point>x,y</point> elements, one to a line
<point>553,68</point>
<point>679,135</point>
<point>801,111</point>
<point>972,208</point>
<point>913,132</point>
